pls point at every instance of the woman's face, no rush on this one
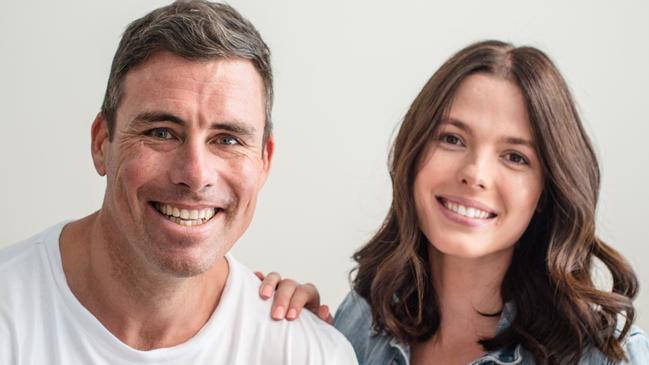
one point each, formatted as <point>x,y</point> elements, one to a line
<point>480,179</point>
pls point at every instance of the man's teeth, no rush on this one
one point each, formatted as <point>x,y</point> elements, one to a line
<point>467,212</point>
<point>186,217</point>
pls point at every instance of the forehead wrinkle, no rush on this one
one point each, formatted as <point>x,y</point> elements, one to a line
<point>205,96</point>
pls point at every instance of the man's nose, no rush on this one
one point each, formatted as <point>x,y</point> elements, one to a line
<point>476,171</point>
<point>193,167</point>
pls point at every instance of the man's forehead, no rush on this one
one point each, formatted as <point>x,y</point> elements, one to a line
<point>169,66</point>
<point>226,89</point>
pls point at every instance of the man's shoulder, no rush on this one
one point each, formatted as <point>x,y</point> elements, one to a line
<point>26,247</point>
<point>25,273</point>
<point>22,255</point>
<point>305,325</point>
<point>24,284</point>
<point>307,339</point>
<point>17,250</point>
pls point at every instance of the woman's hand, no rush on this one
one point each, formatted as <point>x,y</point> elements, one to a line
<point>291,297</point>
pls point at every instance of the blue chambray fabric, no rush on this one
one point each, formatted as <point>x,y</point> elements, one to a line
<point>354,319</point>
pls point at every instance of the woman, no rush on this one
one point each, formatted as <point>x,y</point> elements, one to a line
<point>485,255</point>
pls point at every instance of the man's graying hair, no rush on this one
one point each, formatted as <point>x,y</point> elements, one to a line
<point>193,29</point>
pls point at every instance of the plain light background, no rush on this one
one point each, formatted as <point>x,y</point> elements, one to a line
<point>345,73</point>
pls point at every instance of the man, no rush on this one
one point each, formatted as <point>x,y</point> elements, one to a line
<point>184,140</point>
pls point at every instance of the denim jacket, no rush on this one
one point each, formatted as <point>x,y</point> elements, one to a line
<point>354,319</point>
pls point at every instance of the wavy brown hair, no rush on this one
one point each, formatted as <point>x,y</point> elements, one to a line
<point>559,310</point>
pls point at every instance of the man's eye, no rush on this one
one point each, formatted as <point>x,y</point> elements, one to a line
<point>162,133</point>
<point>516,158</point>
<point>227,140</point>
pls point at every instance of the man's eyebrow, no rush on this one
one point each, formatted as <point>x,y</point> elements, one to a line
<point>234,126</point>
<point>152,117</point>
<point>508,139</point>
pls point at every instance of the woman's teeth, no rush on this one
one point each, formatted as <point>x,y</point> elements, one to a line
<point>186,217</point>
<point>467,211</point>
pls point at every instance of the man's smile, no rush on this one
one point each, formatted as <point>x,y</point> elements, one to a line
<point>186,217</point>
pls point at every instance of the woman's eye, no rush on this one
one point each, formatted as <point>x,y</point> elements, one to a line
<point>516,158</point>
<point>162,133</point>
<point>227,140</point>
<point>451,139</point>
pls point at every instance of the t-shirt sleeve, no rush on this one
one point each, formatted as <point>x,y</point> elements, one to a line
<point>344,355</point>
<point>322,344</point>
<point>6,343</point>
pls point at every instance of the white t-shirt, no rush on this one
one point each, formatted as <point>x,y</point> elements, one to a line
<point>42,322</point>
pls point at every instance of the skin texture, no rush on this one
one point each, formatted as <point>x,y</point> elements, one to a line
<point>187,134</point>
<point>476,158</point>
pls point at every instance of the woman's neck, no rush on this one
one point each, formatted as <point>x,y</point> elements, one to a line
<point>469,299</point>
<point>467,287</point>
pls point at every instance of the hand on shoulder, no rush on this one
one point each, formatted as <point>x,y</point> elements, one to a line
<point>290,297</point>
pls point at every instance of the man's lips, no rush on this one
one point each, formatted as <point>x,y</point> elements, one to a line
<point>184,215</point>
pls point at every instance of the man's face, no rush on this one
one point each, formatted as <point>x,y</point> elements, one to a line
<point>186,161</point>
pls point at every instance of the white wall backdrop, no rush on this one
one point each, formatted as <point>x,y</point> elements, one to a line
<point>346,72</point>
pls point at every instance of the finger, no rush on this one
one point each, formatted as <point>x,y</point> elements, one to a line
<point>306,295</point>
<point>282,298</point>
<point>260,275</point>
<point>269,284</point>
<point>325,315</point>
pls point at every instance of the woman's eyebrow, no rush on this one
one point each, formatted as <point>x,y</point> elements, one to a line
<point>519,141</point>
<point>506,139</point>
<point>456,123</point>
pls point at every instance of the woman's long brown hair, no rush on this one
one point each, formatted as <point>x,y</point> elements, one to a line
<point>559,310</point>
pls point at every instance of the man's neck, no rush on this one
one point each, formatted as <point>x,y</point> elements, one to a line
<point>144,308</point>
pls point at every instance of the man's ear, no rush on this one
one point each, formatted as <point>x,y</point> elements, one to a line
<point>99,143</point>
<point>267,157</point>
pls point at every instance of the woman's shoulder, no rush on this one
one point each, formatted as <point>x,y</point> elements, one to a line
<point>353,311</point>
<point>635,344</point>
<point>354,319</point>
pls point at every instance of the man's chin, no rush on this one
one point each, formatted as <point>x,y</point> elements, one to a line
<point>187,259</point>
<point>185,267</point>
